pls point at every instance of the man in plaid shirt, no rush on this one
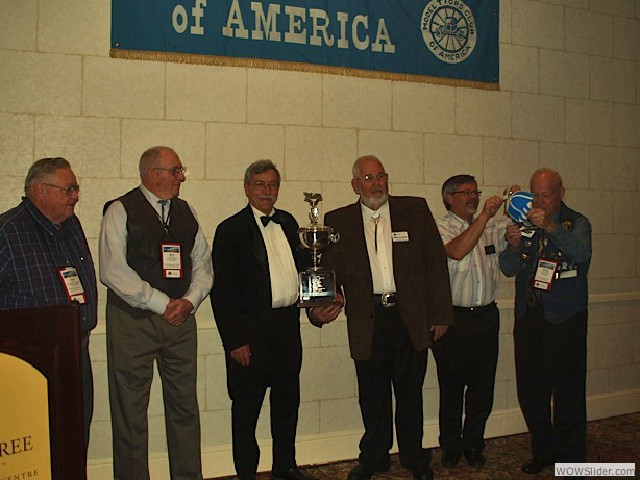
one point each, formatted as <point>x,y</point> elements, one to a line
<point>45,259</point>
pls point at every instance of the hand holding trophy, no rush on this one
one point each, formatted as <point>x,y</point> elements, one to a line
<point>317,284</point>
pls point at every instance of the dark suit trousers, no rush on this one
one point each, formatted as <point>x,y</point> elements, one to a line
<point>551,363</point>
<point>393,362</point>
<point>276,358</point>
<point>467,356</point>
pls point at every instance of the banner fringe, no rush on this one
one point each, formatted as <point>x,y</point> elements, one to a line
<point>193,59</point>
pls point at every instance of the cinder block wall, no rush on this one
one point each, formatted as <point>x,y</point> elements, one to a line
<point>569,99</point>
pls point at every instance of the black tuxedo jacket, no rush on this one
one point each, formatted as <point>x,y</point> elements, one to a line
<point>419,269</point>
<point>241,294</point>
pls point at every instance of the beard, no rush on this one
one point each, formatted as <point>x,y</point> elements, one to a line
<point>471,207</point>
<point>374,202</point>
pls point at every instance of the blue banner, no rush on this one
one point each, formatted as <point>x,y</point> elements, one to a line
<point>448,39</point>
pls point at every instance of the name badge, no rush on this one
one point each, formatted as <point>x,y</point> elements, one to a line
<point>567,274</point>
<point>171,260</point>
<point>401,237</point>
<point>545,273</point>
<point>566,269</point>
<point>72,284</point>
<point>489,249</point>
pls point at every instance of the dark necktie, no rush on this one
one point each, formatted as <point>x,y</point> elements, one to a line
<point>163,204</point>
<point>542,243</point>
<point>534,295</point>
<point>275,218</point>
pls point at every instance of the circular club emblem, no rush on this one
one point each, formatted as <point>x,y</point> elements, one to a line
<point>449,30</point>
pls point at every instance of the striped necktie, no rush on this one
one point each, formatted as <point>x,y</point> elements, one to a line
<point>163,204</point>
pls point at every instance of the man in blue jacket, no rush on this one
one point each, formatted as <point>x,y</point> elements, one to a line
<point>550,332</point>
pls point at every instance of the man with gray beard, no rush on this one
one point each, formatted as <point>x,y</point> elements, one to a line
<point>391,267</point>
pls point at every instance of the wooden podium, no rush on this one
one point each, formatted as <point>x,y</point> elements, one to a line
<point>40,381</point>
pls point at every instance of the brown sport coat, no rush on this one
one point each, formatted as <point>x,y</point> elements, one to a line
<point>419,269</point>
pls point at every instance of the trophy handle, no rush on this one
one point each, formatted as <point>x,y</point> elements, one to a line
<point>334,237</point>
<point>506,195</point>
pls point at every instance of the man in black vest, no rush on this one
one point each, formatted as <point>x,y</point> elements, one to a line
<point>154,260</point>
<point>255,259</point>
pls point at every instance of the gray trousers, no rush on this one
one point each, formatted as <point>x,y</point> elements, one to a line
<point>132,346</point>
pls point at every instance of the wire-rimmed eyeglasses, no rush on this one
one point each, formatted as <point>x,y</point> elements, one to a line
<point>370,177</point>
<point>175,171</point>
<point>68,190</point>
<point>468,193</point>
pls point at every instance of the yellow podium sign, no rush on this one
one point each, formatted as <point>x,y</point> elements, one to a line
<point>25,450</point>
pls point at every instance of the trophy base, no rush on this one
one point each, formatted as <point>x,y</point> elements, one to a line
<point>317,288</point>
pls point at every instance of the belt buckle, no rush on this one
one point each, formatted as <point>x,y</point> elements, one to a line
<point>388,300</point>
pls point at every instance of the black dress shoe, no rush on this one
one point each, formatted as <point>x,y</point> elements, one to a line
<point>364,471</point>
<point>449,459</point>
<point>536,465</point>
<point>423,475</point>
<point>360,472</point>
<point>292,474</point>
<point>474,457</point>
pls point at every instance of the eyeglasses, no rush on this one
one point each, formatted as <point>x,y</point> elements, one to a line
<point>67,190</point>
<point>260,185</point>
<point>175,171</point>
<point>370,177</point>
<point>478,193</point>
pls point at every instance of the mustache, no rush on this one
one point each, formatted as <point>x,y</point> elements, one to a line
<point>267,197</point>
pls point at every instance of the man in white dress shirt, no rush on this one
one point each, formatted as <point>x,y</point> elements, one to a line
<point>155,261</point>
<point>391,266</point>
<point>467,356</point>
<point>256,263</point>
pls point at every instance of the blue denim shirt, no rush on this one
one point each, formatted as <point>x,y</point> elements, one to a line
<point>569,244</point>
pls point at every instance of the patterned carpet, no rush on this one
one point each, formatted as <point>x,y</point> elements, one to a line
<point>612,440</point>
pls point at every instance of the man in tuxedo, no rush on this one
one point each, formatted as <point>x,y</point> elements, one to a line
<point>392,268</point>
<point>255,261</point>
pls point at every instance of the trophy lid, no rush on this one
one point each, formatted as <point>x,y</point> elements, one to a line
<point>313,199</point>
<point>315,228</point>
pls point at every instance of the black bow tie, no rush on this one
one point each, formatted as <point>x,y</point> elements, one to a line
<point>275,218</point>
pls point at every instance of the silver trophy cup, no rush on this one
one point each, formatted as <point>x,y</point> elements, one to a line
<point>317,285</point>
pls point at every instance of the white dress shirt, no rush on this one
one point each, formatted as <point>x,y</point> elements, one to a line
<point>282,266</point>
<point>379,247</point>
<point>116,274</point>
<point>474,279</point>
